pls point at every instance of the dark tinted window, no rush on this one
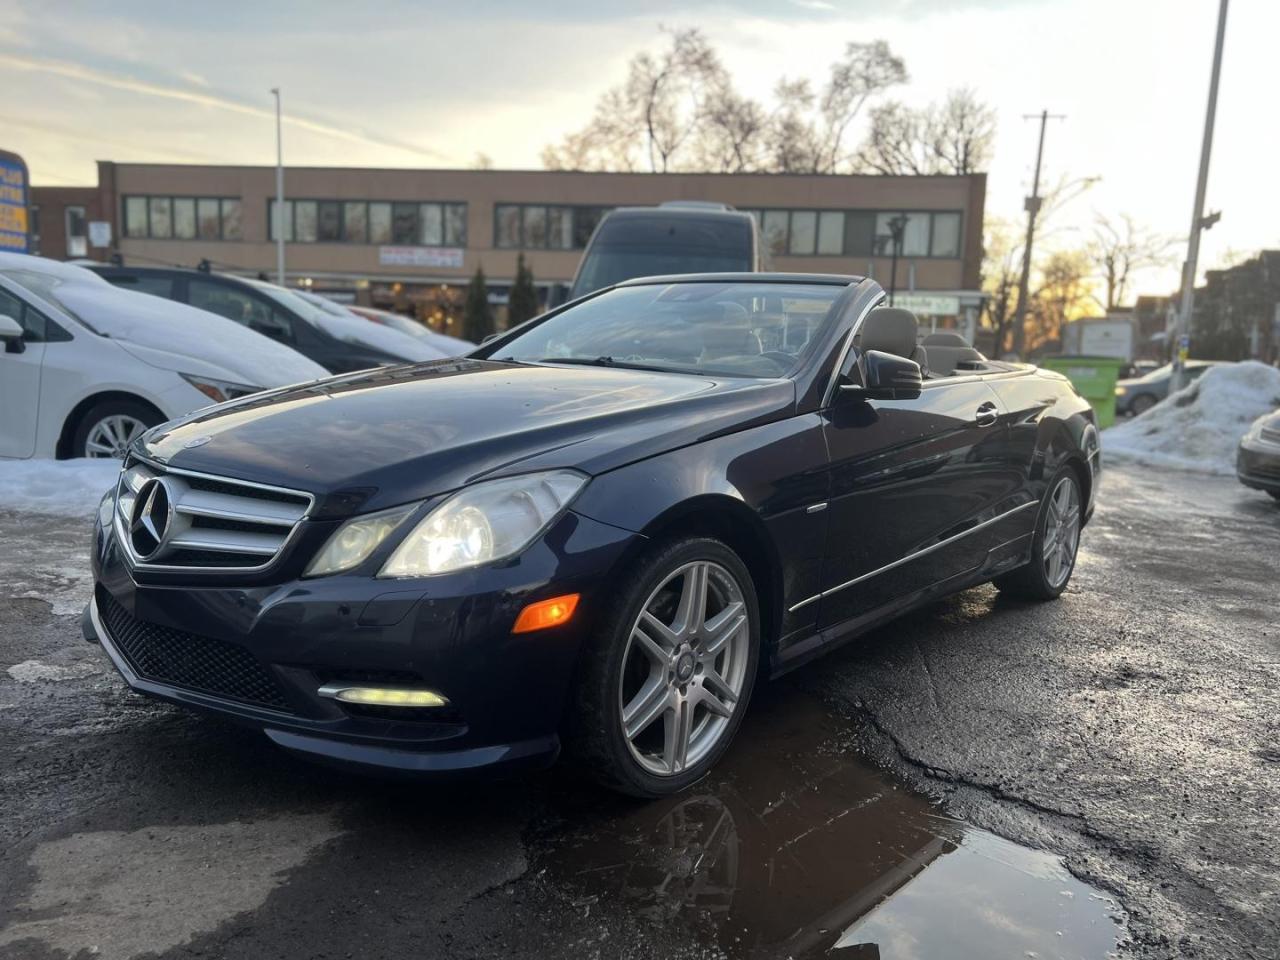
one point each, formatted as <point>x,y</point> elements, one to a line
<point>629,247</point>
<point>241,306</point>
<point>157,285</point>
<point>36,327</point>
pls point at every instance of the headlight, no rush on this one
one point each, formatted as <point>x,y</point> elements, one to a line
<point>219,390</point>
<point>483,523</point>
<point>356,539</point>
<point>1121,391</point>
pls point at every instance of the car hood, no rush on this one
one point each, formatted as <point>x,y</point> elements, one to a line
<point>379,438</point>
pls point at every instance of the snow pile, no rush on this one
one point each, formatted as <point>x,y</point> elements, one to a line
<point>1199,427</point>
<point>65,488</point>
<point>33,671</point>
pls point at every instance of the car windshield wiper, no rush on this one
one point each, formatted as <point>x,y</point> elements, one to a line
<point>605,361</point>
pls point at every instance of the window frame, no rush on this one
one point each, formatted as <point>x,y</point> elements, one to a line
<point>345,205</point>
<point>850,214</point>
<point>129,227</point>
<point>600,210</point>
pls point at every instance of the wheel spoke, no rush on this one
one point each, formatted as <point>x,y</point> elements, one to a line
<point>679,726</point>
<point>646,706</point>
<point>717,694</point>
<point>96,446</point>
<point>657,648</point>
<point>693,600</point>
<point>719,629</point>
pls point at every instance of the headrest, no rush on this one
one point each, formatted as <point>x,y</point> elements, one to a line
<point>890,330</point>
<point>946,339</point>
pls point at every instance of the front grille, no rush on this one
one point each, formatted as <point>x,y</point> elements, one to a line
<point>170,519</point>
<point>187,660</point>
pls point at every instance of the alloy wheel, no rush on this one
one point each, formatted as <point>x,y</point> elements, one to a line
<point>1061,532</point>
<point>111,436</point>
<point>684,668</point>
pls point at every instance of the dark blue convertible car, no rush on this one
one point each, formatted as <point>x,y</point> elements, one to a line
<point>594,535</point>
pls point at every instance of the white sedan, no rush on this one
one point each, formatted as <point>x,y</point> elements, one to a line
<point>86,367</point>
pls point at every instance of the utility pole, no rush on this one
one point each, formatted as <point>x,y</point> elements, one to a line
<point>897,226</point>
<point>278,218</point>
<point>1198,220</point>
<point>1033,209</point>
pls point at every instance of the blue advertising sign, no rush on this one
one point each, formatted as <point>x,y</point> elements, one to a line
<point>14,204</point>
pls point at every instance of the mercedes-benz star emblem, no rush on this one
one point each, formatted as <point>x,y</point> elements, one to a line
<point>152,517</point>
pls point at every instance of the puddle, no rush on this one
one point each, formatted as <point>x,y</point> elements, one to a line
<point>794,848</point>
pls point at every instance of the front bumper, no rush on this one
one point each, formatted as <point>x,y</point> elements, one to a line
<point>258,653</point>
<point>1258,464</point>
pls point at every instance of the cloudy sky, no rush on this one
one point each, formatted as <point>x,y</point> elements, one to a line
<point>433,84</point>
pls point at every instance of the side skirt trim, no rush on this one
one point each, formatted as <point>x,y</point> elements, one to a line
<point>913,556</point>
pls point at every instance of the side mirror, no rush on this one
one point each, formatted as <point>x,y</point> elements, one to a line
<point>886,376</point>
<point>11,334</point>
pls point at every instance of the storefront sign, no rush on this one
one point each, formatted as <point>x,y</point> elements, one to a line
<point>928,304</point>
<point>420,256</point>
<point>14,225</point>
<point>100,233</point>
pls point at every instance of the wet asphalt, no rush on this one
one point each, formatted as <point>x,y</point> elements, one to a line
<point>983,778</point>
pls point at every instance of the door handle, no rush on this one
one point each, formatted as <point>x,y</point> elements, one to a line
<point>986,415</point>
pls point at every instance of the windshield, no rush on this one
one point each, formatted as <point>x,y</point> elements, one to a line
<point>45,286</point>
<point>734,329</point>
<point>629,247</point>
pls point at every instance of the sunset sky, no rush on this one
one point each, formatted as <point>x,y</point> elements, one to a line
<point>434,84</point>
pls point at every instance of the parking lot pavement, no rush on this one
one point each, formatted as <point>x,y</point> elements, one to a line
<point>1130,727</point>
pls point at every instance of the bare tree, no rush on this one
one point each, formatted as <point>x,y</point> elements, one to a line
<point>1001,260</point>
<point>1120,249</point>
<point>679,110</point>
<point>1064,294</point>
<point>954,137</point>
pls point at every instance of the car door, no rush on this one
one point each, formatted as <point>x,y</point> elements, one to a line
<point>21,367</point>
<point>914,483</point>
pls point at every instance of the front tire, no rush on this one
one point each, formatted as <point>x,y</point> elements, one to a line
<point>1054,544</point>
<point>108,427</point>
<point>670,670</point>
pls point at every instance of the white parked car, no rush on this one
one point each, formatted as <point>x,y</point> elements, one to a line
<point>86,367</point>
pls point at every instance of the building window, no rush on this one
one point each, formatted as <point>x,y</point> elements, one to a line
<point>857,233</point>
<point>380,223</point>
<point>182,218</point>
<point>328,222</point>
<point>376,222</point>
<point>209,215</point>
<point>946,235</point>
<point>538,227</point>
<point>831,232</point>
<point>161,218</point>
<point>135,216</point>
<point>355,222</point>
<point>304,221</point>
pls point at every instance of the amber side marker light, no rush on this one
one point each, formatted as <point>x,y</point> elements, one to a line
<point>546,613</point>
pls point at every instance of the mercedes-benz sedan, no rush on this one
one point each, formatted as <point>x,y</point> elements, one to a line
<point>596,533</point>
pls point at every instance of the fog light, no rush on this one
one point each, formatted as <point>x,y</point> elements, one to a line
<point>546,613</point>
<point>383,696</point>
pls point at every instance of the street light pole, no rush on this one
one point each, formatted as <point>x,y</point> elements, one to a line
<point>278,218</point>
<point>1032,206</point>
<point>896,227</point>
<point>1198,219</point>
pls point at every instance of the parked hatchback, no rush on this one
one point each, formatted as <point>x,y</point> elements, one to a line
<point>86,368</point>
<point>277,313</point>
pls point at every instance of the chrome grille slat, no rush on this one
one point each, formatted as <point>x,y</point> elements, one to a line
<point>229,541</point>
<point>210,524</point>
<point>205,503</point>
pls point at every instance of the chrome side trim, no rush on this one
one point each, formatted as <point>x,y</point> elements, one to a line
<point>912,556</point>
<point>815,508</point>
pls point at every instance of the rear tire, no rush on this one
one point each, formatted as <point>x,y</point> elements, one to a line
<point>1053,545</point>
<point>666,677</point>
<point>109,426</point>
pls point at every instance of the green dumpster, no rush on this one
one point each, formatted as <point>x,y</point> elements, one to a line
<point>1095,378</point>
